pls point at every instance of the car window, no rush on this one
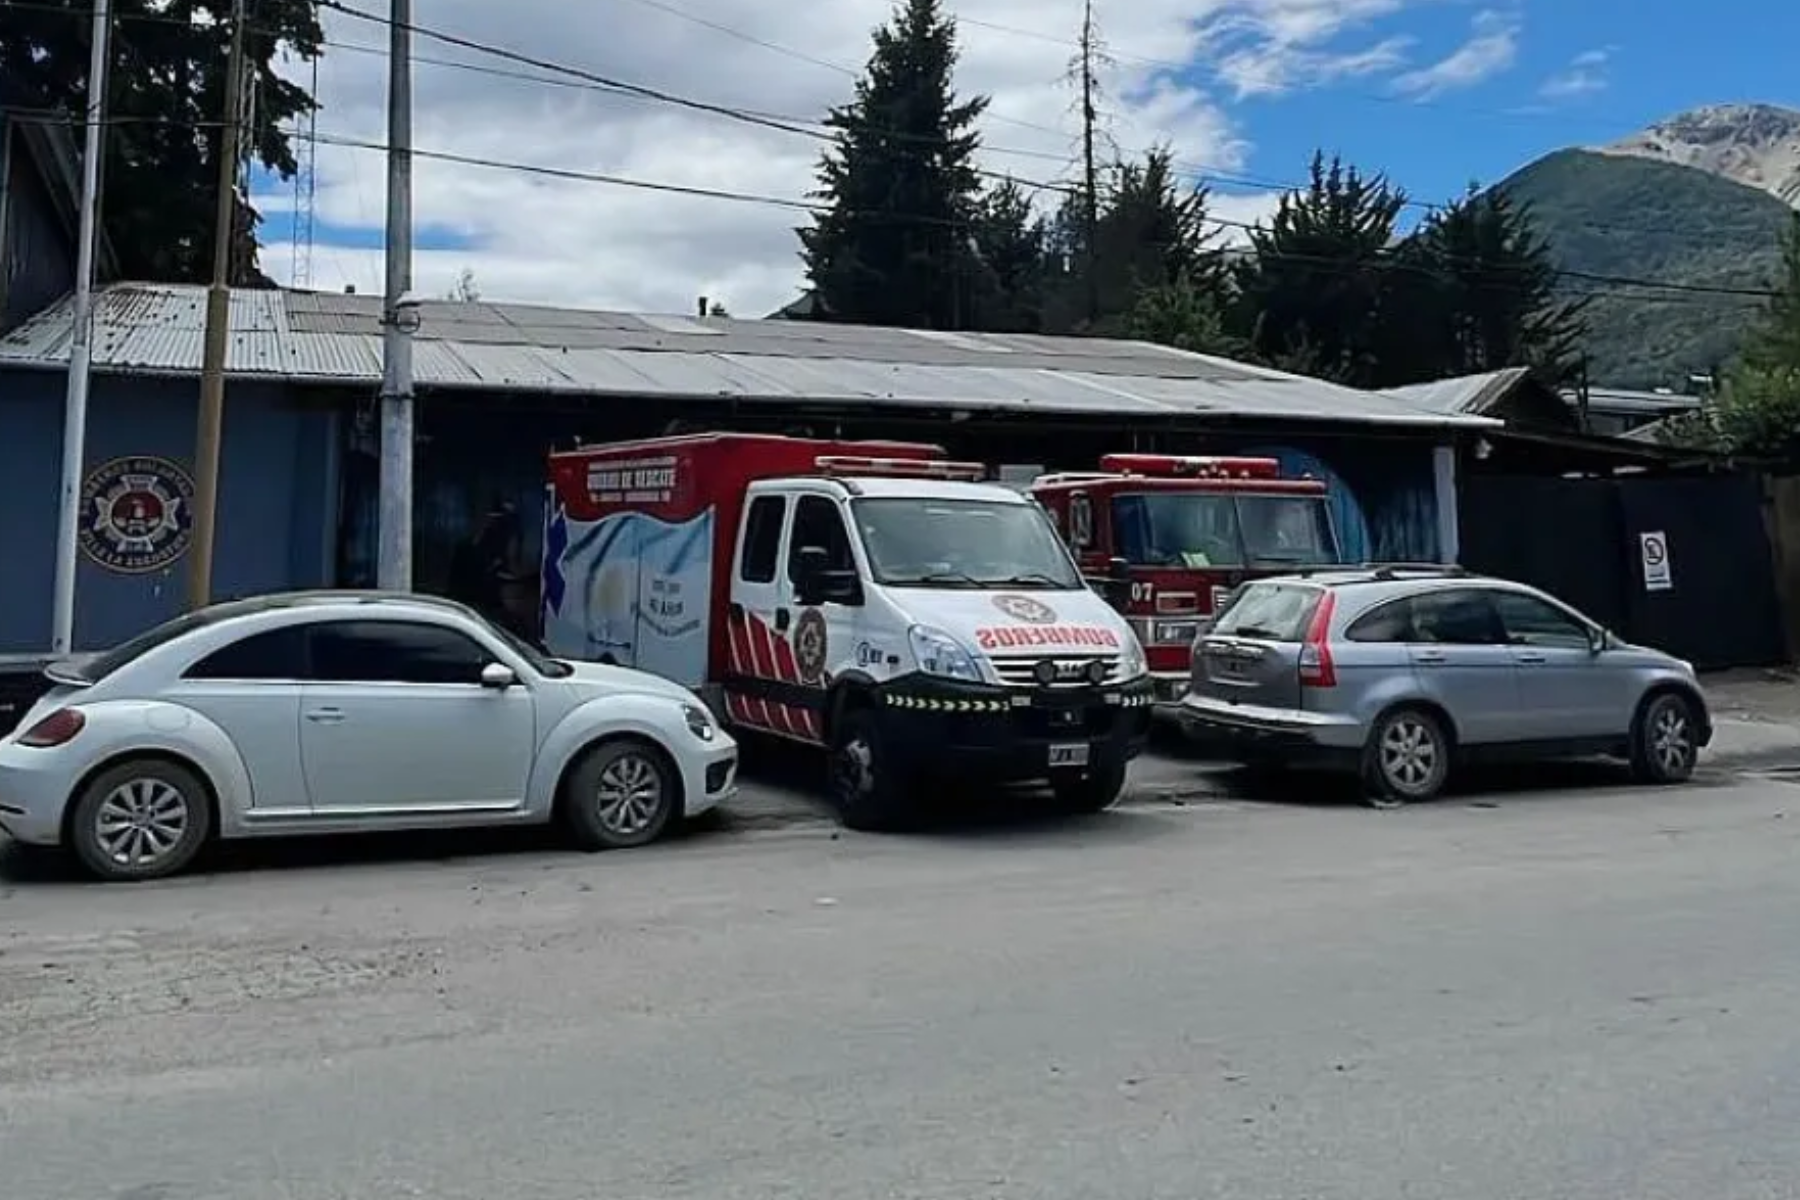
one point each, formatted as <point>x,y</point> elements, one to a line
<point>762,539</point>
<point>1389,622</point>
<point>1273,611</point>
<point>275,654</point>
<point>817,522</point>
<point>395,652</point>
<point>1456,617</point>
<point>1530,621</point>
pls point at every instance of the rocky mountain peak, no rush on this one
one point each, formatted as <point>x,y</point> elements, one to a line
<point>1757,145</point>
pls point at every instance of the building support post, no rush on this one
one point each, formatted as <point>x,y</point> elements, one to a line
<point>394,564</point>
<point>1443,486</point>
<point>218,326</point>
<point>68,525</point>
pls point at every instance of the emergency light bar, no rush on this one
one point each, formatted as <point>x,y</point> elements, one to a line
<point>1198,466</point>
<point>914,468</point>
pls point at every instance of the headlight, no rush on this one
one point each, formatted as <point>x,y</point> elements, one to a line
<point>699,722</point>
<point>1132,663</point>
<point>937,653</point>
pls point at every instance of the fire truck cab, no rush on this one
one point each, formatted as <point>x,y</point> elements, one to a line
<point>870,599</point>
<point>1168,537</point>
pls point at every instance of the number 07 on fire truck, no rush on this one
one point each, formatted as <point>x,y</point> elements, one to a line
<point>871,599</point>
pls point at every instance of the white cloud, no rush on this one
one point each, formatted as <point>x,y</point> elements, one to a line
<point>550,240</point>
<point>1492,47</point>
<point>1586,74</point>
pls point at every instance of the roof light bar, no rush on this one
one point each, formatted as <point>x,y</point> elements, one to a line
<point>910,468</point>
<point>1197,466</point>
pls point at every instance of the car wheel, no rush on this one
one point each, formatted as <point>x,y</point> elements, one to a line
<point>1665,745</point>
<point>142,819</point>
<point>621,794</point>
<point>1090,792</point>
<point>1408,758</point>
<point>869,790</point>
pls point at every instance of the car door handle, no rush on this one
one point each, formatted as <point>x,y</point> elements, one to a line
<point>1529,657</point>
<point>781,620</point>
<point>325,716</point>
<point>1430,658</point>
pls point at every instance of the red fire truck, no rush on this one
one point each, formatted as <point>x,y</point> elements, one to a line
<point>1168,537</point>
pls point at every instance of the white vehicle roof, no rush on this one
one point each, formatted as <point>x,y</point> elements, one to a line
<point>887,486</point>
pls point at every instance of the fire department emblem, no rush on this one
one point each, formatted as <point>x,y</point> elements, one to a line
<point>1024,608</point>
<point>810,646</point>
<point>139,514</point>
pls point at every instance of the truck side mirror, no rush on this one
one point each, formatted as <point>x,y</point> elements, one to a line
<point>816,583</point>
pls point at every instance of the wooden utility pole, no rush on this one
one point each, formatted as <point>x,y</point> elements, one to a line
<point>218,325</point>
<point>1090,174</point>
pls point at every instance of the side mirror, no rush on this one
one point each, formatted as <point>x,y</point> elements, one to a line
<point>1597,640</point>
<point>1118,568</point>
<point>498,677</point>
<point>816,583</point>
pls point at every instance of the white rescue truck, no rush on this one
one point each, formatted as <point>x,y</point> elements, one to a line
<point>871,599</point>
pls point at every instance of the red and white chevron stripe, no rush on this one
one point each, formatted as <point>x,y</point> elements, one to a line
<point>760,653</point>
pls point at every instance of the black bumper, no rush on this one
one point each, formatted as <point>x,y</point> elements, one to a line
<point>940,728</point>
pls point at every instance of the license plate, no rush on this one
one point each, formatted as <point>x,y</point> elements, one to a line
<point>1074,755</point>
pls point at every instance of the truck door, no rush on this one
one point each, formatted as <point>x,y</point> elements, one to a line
<point>821,638</point>
<point>749,617</point>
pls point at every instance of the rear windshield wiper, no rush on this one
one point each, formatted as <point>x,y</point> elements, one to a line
<point>1250,631</point>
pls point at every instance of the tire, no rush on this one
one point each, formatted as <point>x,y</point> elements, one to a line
<point>869,790</point>
<point>622,794</point>
<point>1664,740</point>
<point>1092,791</point>
<point>1407,759</point>
<point>142,819</point>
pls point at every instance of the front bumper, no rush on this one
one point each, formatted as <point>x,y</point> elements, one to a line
<point>1253,734</point>
<point>712,778</point>
<point>944,728</point>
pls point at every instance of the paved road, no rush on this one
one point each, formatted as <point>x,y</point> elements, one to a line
<point>1572,994</point>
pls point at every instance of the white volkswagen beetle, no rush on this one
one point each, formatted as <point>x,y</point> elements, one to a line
<point>339,712</point>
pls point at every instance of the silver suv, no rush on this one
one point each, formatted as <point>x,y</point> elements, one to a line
<point>1394,672</point>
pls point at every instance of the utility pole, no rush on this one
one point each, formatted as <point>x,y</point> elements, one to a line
<point>218,325</point>
<point>394,566</point>
<point>68,525</point>
<point>1090,179</point>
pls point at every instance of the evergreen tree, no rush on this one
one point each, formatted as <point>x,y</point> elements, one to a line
<point>1475,290</point>
<point>1011,246</point>
<point>894,245</point>
<point>1312,291</point>
<point>1183,315</point>
<point>1775,342</point>
<point>165,100</point>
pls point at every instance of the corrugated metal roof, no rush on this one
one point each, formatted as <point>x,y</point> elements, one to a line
<point>324,337</point>
<point>1467,394</point>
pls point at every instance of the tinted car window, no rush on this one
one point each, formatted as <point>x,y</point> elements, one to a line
<point>762,539</point>
<point>1530,621</point>
<point>1271,611</point>
<point>277,654</point>
<point>818,523</point>
<point>394,652</point>
<point>1459,617</point>
<point>1390,622</point>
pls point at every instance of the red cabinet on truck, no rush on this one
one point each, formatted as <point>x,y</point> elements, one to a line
<point>1170,536</point>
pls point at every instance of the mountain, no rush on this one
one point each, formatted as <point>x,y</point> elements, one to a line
<point>1757,145</point>
<point>1628,216</point>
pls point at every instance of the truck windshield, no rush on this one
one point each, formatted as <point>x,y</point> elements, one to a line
<point>920,542</point>
<point>1197,530</point>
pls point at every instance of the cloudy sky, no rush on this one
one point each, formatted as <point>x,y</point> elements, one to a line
<point>1438,93</point>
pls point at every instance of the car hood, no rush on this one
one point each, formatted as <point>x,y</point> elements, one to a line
<point>598,679</point>
<point>1019,624</point>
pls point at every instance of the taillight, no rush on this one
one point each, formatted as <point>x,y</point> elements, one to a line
<point>57,729</point>
<point>1316,667</point>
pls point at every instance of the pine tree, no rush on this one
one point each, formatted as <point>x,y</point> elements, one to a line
<point>165,99</point>
<point>894,245</point>
<point>1312,291</point>
<point>1010,241</point>
<point>1475,290</point>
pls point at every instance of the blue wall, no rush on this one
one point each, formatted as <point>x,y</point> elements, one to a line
<point>277,499</point>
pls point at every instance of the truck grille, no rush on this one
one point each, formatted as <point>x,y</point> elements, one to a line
<point>1071,672</point>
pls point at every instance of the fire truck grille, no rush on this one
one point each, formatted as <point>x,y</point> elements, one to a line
<point>1055,672</point>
